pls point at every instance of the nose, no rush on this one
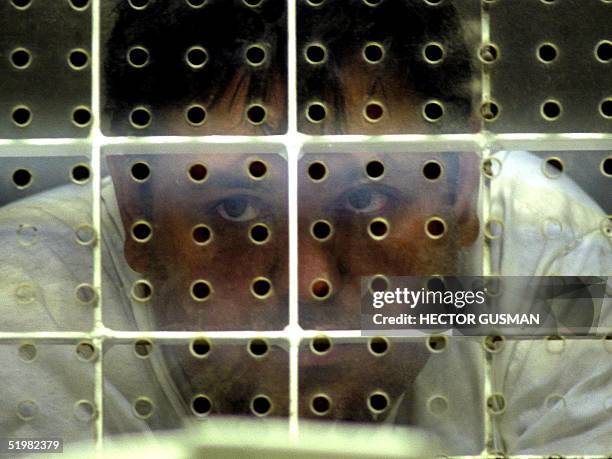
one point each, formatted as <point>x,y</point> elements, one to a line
<point>316,261</point>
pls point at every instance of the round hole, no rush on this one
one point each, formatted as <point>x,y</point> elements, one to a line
<point>321,230</point>
<point>496,404</point>
<point>489,111</point>
<point>78,59</point>
<point>259,233</point>
<point>25,293</point>
<point>196,115</point>
<point>86,294</point>
<point>433,2</point>
<point>143,408</point>
<point>437,343</point>
<point>84,410</point>
<point>373,53</point>
<point>437,405</point>
<point>553,401</point>
<point>256,114</point>
<point>606,226</point>
<point>555,344</point>
<point>379,283</point>
<point>27,409</point>
<point>201,234</point>
<point>494,229</point>
<point>21,58</point>
<point>433,111</point>
<point>201,405</point>
<point>200,347</point>
<point>141,291</point>
<point>551,110</point>
<point>261,405</point>
<point>198,172</point>
<point>378,229</point>
<point>196,3</point>
<point>140,118</point>
<point>552,167</point>
<point>142,231</point>
<point>373,112</point>
<point>255,55</point>
<point>79,4</point>
<point>138,56</point>
<point>432,170</point>
<point>27,235</point>
<point>21,4</point>
<point>138,4</point>
<point>315,2</point>
<point>488,53</point>
<point>603,51</point>
<point>317,171</point>
<point>140,171</point>
<point>315,54</point>
<point>547,52</point>
<point>433,53</point>
<point>316,112</point>
<point>261,288</point>
<point>378,345</point>
<point>85,351</point>
<point>320,344</point>
<point>258,169</point>
<point>372,2</point>
<point>201,290</point>
<point>320,289</point>
<point>80,173</point>
<point>258,347</point>
<point>606,166</point>
<point>491,167</point>
<point>22,116</point>
<point>493,343</point>
<point>435,228</point>
<point>81,116</point>
<point>27,352</point>
<point>605,108</point>
<point>378,402</point>
<point>85,234</point>
<point>320,404</point>
<point>253,3</point>
<point>375,169</point>
<point>196,57</point>
<point>143,348</point>
<point>22,178</point>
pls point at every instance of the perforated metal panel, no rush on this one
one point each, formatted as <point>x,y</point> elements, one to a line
<point>45,69</point>
<point>200,276</point>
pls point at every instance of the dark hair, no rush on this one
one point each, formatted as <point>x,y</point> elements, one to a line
<point>404,27</point>
<point>168,29</point>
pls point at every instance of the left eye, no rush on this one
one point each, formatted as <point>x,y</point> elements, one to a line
<point>237,209</point>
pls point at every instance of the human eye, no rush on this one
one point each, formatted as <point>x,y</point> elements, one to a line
<point>238,208</point>
<point>365,199</point>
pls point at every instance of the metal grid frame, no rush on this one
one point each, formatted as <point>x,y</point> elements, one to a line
<point>484,142</point>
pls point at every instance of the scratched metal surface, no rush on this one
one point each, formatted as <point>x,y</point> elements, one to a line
<point>571,74</point>
<point>47,240</point>
<point>45,82</point>
<point>230,255</point>
<point>220,79</point>
<point>32,407</point>
<point>195,381</point>
<point>375,53</point>
<point>404,200</point>
<point>397,381</point>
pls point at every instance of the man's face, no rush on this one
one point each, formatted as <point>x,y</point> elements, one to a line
<point>204,280</point>
<point>397,224</point>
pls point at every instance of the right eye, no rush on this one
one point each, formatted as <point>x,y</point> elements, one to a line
<point>365,199</point>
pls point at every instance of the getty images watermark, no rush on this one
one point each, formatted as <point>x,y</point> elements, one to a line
<point>409,306</point>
